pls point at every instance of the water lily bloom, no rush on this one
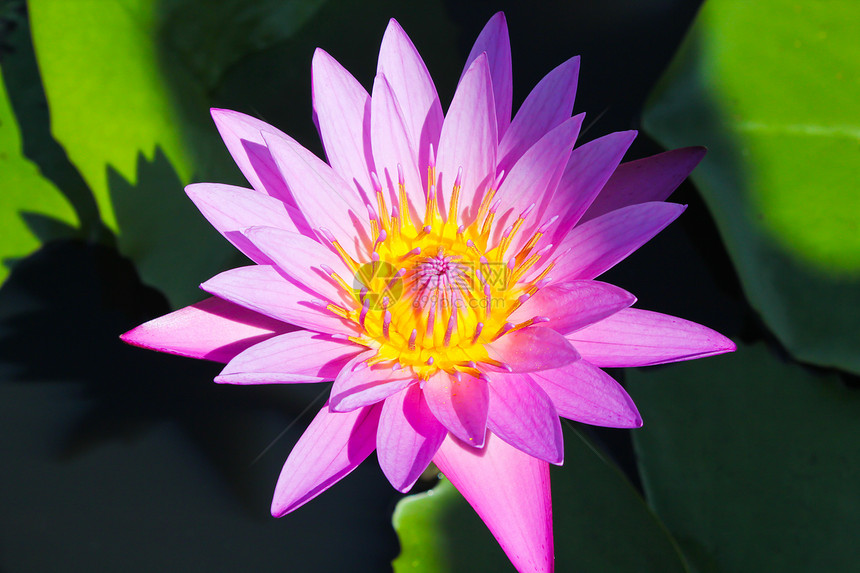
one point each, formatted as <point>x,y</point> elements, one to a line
<point>440,270</point>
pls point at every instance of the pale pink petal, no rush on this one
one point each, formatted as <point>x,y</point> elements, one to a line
<point>548,104</point>
<point>232,209</point>
<point>342,114</point>
<point>392,148</point>
<point>261,288</point>
<point>494,40</point>
<point>468,140</point>
<point>408,437</point>
<point>528,181</point>
<point>573,305</point>
<point>413,87</point>
<point>304,260</point>
<point>588,170</point>
<point>242,134</point>
<point>213,329</point>
<point>510,491</point>
<point>523,415</point>
<point>634,337</point>
<point>580,391</point>
<point>648,179</point>
<point>532,348</point>
<point>460,403</point>
<point>301,356</point>
<point>358,385</point>
<point>597,245</point>
<point>532,181</point>
<point>326,200</point>
<point>332,446</point>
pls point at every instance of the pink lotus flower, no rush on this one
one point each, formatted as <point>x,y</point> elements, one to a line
<point>440,269</point>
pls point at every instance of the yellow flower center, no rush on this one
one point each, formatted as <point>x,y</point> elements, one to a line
<point>434,291</point>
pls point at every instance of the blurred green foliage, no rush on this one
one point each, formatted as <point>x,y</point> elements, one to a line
<point>773,90</point>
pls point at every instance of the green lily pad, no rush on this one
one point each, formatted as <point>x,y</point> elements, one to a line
<point>601,524</point>
<point>32,210</point>
<point>772,89</point>
<point>752,462</point>
<point>127,87</point>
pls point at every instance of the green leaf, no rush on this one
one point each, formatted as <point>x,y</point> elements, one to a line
<point>222,34</point>
<point>127,87</point>
<point>772,90</point>
<point>31,209</point>
<point>752,462</point>
<point>601,524</point>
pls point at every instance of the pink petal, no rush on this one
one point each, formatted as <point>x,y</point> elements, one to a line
<point>523,415</point>
<point>325,199</point>
<point>342,113</point>
<point>588,170</point>
<point>532,348</point>
<point>358,385</point>
<point>548,104</point>
<point>573,305</point>
<point>468,140</point>
<point>414,90</point>
<point>301,356</point>
<point>510,491</point>
<point>392,146</point>
<point>302,259</point>
<point>634,337</point>
<point>242,134</point>
<point>331,447</point>
<point>598,245</point>
<point>534,177</point>
<point>648,179</point>
<point>494,40</point>
<point>263,289</point>
<point>213,329</point>
<point>408,437</point>
<point>232,209</point>
<point>580,391</point>
<point>460,403</point>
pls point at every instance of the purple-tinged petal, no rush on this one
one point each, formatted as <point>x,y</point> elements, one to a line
<point>342,114</point>
<point>232,209</point>
<point>533,348</point>
<point>523,415</point>
<point>242,134</point>
<point>414,90</point>
<point>301,356</point>
<point>634,337</point>
<point>332,446</point>
<point>393,150</point>
<point>460,404</point>
<point>302,259</point>
<point>534,177</point>
<point>325,199</point>
<point>588,170</point>
<point>548,104</point>
<point>495,41</point>
<point>599,244</point>
<point>358,385</point>
<point>510,491</point>
<point>647,179</point>
<point>468,140</point>
<point>573,305</point>
<point>580,391</point>
<point>263,289</point>
<point>408,437</point>
<point>213,329</point>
